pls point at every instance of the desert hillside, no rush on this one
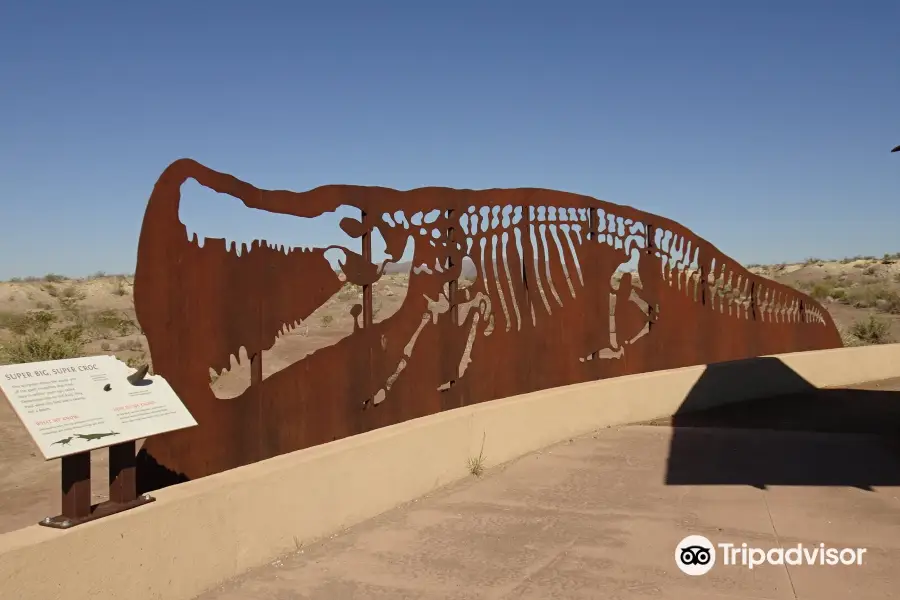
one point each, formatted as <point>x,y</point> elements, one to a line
<point>861,293</point>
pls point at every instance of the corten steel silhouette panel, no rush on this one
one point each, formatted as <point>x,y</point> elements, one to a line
<point>544,310</point>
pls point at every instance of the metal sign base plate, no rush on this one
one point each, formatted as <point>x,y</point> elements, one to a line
<point>98,511</point>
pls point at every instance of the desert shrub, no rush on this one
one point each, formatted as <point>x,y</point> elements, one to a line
<point>53,278</point>
<point>69,297</point>
<point>137,361</point>
<point>862,296</point>
<point>52,290</point>
<point>889,302</point>
<point>874,330</point>
<point>821,290</point>
<point>875,296</point>
<point>11,320</point>
<point>119,288</point>
<point>107,321</point>
<point>41,320</point>
<point>327,320</point>
<point>72,333</point>
<point>31,322</point>
<point>350,291</point>
<point>69,304</point>
<point>37,347</point>
<point>130,346</point>
<point>70,291</point>
<point>849,340</point>
<point>46,345</point>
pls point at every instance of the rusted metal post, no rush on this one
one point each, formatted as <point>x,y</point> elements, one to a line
<point>122,481</point>
<point>649,248</point>
<point>753,314</point>
<point>367,289</point>
<point>591,237</point>
<point>527,253</point>
<point>76,486</point>
<point>453,285</point>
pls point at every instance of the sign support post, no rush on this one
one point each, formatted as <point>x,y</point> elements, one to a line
<point>79,403</point>
<point>75,489</point>
<point>122,480</point>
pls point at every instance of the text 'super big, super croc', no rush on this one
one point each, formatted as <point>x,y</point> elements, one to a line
<point>545,309</point>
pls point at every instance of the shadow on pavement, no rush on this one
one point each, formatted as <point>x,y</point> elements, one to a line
<point>810,436</point>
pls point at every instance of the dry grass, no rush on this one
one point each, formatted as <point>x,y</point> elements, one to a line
<point>475,464</point>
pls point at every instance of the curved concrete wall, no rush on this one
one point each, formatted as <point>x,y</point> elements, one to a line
<point>203,532</point>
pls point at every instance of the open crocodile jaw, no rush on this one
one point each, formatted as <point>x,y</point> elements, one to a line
<point>279,287</point>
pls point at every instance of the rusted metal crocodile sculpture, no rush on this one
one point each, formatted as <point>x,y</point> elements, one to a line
<point>545,309</point>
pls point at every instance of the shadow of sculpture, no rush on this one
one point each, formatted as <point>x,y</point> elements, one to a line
<point>804,437</point>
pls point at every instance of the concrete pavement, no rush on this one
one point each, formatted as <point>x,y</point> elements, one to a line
<point>594,518</point>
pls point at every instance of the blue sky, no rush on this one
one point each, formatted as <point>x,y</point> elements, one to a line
<point>763,126</point>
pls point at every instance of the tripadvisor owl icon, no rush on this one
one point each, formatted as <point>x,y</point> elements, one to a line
<point>695,555</point>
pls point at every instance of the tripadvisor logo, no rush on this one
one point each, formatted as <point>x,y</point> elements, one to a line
<point>696,555</point>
